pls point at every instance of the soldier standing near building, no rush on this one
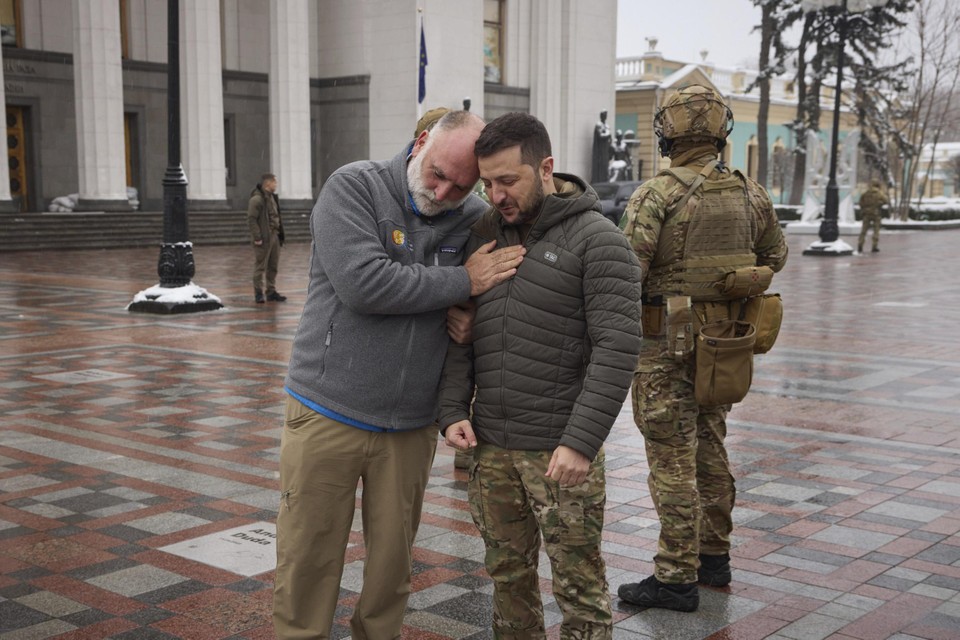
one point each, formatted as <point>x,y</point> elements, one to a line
<point>691,225</point>
<point>266,233</point>
<point>871,204</point>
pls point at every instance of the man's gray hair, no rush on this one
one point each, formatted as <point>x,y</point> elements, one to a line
<point>457,120</point>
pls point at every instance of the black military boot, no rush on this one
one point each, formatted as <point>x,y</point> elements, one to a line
<point>714,571</point>
<point>258,297</point>
<point>276,297</point>
<point>653,593</point>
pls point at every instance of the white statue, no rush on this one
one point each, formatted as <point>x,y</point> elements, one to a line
<point>847,176</point>
<point>815,178</point>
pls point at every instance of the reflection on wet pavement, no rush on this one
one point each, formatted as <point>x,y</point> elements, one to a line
<point>131,446</point>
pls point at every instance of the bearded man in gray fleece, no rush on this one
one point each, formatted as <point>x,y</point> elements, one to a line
<point>386,264</point>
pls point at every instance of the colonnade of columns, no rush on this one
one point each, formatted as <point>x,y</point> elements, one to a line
<point>98,86</point>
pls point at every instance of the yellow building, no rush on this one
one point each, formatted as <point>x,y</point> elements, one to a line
<point>645,82</point>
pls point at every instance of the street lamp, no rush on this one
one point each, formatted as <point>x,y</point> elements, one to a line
<point>176,292</point>
<point>830,243</point>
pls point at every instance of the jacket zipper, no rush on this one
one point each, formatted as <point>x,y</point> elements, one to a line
<point>503,350</point>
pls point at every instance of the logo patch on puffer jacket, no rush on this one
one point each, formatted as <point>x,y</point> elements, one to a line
<point>550,256</point>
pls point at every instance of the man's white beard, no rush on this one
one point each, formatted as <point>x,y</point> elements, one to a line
<point>422,196</point>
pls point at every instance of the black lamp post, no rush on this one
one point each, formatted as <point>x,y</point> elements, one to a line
<point>176,292</point>
<point>830,243</point>
<point>828,228</point>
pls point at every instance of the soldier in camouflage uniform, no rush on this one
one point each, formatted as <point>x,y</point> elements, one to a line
<point>553,353</point>
<point>871,203</point>
<point>686,243</point>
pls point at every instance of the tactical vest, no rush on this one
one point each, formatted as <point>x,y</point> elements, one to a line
<point>707,234</point>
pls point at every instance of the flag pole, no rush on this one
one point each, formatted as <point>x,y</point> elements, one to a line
<point>421,71</point>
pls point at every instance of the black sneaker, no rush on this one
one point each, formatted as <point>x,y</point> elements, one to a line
<point>276,297</point>
<point>258,297</point>
<point>714,571</point>
<point>653,593</point>
<point>875,250</point>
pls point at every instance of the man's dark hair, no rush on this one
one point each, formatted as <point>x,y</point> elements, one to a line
<point>267,176</point>
<point>510,130</point>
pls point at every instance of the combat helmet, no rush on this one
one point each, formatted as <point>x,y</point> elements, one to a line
<point>693,112</point>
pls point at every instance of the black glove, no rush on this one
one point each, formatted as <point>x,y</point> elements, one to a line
<point>280,236</point>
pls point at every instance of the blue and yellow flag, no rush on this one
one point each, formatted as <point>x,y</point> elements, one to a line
<point>422,92</point>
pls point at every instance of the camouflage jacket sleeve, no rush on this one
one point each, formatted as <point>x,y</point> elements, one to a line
<point>770,246</point>
<point>643,218</point>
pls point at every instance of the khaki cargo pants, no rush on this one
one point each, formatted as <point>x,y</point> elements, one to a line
<point>321,463</point>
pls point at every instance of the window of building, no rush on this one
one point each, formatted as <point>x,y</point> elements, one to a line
<point>229,149</point>
<point>124,30</point>
<point>493,41</point>
<point>753,157</point>
<point>11,35</point>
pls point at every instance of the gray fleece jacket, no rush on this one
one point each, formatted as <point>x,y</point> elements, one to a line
<point>372,337</point>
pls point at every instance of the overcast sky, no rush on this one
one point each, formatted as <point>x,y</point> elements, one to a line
<point>685,27</point>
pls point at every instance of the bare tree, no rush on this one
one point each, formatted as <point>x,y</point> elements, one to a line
<point>936,26</point>
<point>767,27</point>
<point>800,122</point>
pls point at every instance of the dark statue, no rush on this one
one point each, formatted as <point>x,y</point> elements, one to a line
<point>601,150</point>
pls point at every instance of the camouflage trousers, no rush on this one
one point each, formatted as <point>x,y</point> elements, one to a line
<point>690,480</point>
<point>869,221</point>
<point>513,503</point>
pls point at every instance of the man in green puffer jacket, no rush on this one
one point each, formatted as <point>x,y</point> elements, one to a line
<point>551,362</point>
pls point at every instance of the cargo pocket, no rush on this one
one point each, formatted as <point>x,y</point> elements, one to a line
<point>581,508</point>
<point>655,414</point>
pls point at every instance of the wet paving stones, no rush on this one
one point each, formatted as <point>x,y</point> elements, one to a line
<point>122,435</point>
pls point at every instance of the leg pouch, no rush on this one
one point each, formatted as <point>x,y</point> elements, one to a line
<point>724,358</point>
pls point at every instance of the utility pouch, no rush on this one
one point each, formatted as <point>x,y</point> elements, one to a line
<point>679,321</point>
<point>651,320</point>
<point>745,282</point>
<point>724,368</point>
<point>765,312</point>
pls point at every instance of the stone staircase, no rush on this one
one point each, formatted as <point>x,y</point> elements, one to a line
<point>95,230</point>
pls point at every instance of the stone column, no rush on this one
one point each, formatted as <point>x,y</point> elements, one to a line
<point>290,102</point>
<point>547,87</point>
<point>6,201</point>
<point>98,96</point>
<point>201,105</point>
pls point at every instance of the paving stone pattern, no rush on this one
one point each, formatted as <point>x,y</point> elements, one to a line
<point>122,434</point>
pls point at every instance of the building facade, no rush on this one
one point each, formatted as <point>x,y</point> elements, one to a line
<point>645,82</point>
<point>938,171</point>
<point>296,87</point>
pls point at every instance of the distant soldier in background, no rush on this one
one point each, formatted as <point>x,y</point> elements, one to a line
<point>266,233</point>
<point>872,203</point>
<point>691,226</point>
